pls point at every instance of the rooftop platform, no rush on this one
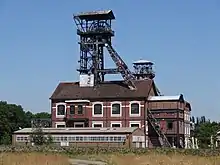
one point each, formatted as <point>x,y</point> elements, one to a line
<point>96,15</point>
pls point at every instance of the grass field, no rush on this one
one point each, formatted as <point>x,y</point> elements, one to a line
<point>151,159</point>
<point>155,159</point>
<point>32,159</point>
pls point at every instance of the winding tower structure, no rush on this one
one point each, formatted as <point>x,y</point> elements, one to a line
<point>95,32</point>
<point>143,69</point>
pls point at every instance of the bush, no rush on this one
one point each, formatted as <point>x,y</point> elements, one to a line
<point>86,150</point>
<point>38,137</point>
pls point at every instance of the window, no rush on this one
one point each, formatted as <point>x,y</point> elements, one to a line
<point>60,126</point>
<point>80,109</point>
<point>61,110</point>
<point>135,125</point>
<point>78,124</point>
<point>170,125</point>
<point>72,109</point>
<point>116,109</point>
<point>22,138</point>
<point>135,109</point>
<point>90,138</point>
<point>97,125</point>
<point>98,109</point>
<point>115,125</point>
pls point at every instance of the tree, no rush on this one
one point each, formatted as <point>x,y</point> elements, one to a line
<point>38,137</point>
<point>204,130</point>
<point>14,117</point>
<point>42,115</point>
<point>6,139</point>
<point>193,119</point>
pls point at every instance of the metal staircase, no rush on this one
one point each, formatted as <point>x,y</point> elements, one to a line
<point>122,67</point>
<point>162,138</point>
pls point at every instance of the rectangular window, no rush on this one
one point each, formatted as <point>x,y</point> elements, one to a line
<point>97,125</point>
<point>116,125</point>
<point>22,138</point>
<point>60,126</point>
<point>80,109</point>
<point>72,109</point>
<point>135,125</point>
<point>78,125</point>
<point>170,125</point>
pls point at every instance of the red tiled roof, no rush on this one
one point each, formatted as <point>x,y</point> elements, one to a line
<point>105,90</point>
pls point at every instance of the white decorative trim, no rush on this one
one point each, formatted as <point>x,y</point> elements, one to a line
<point>135,115</point>
<point>135,122</point>
<point>107,106</point>
<point>115,122</point>
<point>93,104</point>
<point>60,116</point>
<point>116,115</point>
<point>77,101</point>
<point>97,122</point>
<point>60,123</point>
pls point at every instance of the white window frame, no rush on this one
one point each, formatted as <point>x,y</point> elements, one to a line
<point>115,122</point>
<point>116,115</point>
<point>60,116</point>
<point>135,122</point>
<point>97,122</point>
<point>135,115</point>
<point>93,109</point>
<point>76,123</point>
<point>22,138</point>
<point>60,123</point>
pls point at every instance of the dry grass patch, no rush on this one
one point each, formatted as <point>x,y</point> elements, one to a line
<point>32,159</point>
<point>156,159</point>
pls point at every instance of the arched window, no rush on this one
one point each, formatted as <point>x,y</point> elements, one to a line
<point>116,109</point>
<point>97,109</point>
<point>135,109</point>
<point>61,110</point>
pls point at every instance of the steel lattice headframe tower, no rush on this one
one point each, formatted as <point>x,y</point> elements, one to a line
<point>95,32</point>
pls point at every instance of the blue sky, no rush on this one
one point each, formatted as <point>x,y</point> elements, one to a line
<point>38,47</point>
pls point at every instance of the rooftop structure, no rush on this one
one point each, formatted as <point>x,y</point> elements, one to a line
<point>79,130</point>
<point>105,90</point>
<point>95,32</point>
<point>143,69</point>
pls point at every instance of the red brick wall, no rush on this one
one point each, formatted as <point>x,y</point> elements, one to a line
<point>124,118</point>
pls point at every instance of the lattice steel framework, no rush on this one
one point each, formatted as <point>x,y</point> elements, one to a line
<point>95,32</point>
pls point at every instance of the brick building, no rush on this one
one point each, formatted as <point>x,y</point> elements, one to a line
<point>86,137</point>
<point>133,102</point>
<point>113,104</point>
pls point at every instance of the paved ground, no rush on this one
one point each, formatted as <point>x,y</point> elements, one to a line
<point>86,162</point>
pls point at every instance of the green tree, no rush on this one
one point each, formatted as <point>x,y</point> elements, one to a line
<point>6,139</point>
<point>14,117</point>
<point>42,115</point>
<point>38,137</point>
<point>204,131</point>
<point>49,140</point>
